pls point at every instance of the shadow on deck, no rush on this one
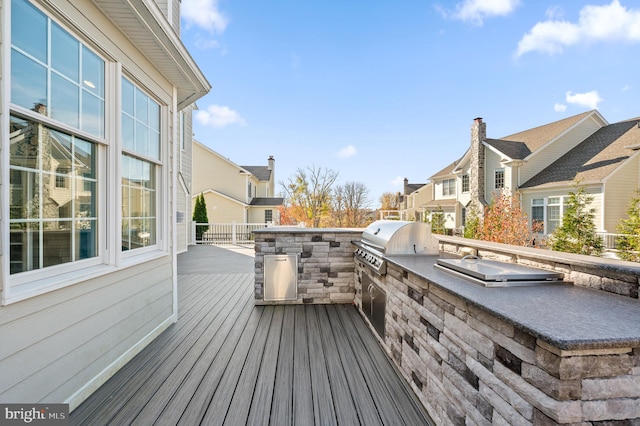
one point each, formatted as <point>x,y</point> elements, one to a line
<point>229,362</point>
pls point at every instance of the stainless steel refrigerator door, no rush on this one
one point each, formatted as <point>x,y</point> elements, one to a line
<point>280,277</point>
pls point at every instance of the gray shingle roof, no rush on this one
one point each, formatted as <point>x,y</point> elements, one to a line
<point>512,149</point>
<point>260,172</point>
<point>593,159</point>
<point>537,137</point>
<point>263,201</point>
<point>413,187</point>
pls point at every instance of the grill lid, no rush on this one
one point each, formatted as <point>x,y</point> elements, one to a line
<point>492,273</point>
<point>400,237</point>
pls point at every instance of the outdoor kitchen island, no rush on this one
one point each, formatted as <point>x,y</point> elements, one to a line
<point>559,353</point>
<point>543,354</point>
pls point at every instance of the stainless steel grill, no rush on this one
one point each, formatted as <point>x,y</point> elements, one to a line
<point>393,237</point>
<point>491,273</point>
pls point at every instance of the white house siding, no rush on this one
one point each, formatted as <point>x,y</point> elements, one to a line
<point>212,171</point>
<point>550,153</point>
<point>492,162</point>
<point>527,195</point>
<point>59,346</point>
<point>62,343</point>
<point>223,210</point>
<point>619,188</point>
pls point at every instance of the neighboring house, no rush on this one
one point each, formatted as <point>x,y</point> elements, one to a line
<point>233,193</point>
<point>91,95</point>
<point>540,167</point>
<point>606,163</point>
<point>415,198</point>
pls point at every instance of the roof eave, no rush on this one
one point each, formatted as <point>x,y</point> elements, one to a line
<point>169,55</point>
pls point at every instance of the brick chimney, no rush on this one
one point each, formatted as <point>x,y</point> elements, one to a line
<point>271,162</point>
<point>476,177</point>
<point>406,185</point>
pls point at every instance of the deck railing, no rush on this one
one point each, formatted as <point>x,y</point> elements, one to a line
<point>225,233</point>
<point>610,240</point>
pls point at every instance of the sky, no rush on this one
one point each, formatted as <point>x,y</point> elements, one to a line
<point>379,91</point>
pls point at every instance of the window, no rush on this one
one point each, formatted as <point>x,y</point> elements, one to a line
<point>53,74</point>
<point>554,213</point>
<point>465,183</point>
<point>499,178</point>
<point>140,161</point>
<point>449,187</point>
<point>537,215</point>
<point>138,203</point>
<point>268,216</point>
<point>53,177</point>
<point>50,223</point>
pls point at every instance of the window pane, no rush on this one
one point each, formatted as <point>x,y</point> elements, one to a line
<point>65,53</point>
<point>24,144</point>
<point>56,241</point>
<point>28,82</point>
<point>142,107</point>
<point>142,139</point>
<point>65,101</point>
<point>92,114</point>
<point>154,145</point>
<point>24,247</point>
<point>30,33</point>
<point>127,97</point>
<point>154,116</point>
<point>128,133</point>
<point>50,201</point>
<point>24,190</point>
<point>84,154</point>
<point>86,239</point>
<point>92,73</point>
<point>138,203</point>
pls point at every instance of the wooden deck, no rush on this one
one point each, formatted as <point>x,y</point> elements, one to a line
<point>229,362</point>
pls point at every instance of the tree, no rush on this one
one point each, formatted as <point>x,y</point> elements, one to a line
<point>438,221</point>
<point>472,223</point>
<point>310,189</point>
<point>389,201</point>
<point>505,222</point>
<point>577,234</point>
<point>629,242</point>
<point>349,204</point>
<point>200,216</point>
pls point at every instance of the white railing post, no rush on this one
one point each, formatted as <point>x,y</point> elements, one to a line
<point>233,233</point>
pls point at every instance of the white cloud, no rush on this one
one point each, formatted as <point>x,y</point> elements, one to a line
<point>588,99</point>
<point>204,14</point>
<point>559,107</point>
<point>219,116</point>
<point>612,22</point>
<point>626,88</point>
<point>347,151</point>
<point>398,181</point>
<point>476,11</point>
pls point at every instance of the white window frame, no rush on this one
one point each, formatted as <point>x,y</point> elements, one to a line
<point>28,284</point>
<point>547,202</point>
<point>501,180</point>
<point>143,254</point>
<point>448,189</point>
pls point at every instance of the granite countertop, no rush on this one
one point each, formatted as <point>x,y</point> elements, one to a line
<point>565,316</point>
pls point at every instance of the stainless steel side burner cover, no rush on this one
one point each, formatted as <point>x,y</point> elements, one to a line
<point>492,273</point>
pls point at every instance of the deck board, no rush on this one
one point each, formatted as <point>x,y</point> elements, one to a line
<point>228,362</point>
